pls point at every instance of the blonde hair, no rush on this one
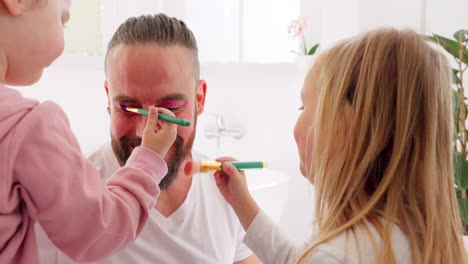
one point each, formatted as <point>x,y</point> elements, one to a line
<point>395,167</point>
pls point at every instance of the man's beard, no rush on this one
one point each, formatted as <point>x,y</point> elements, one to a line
<point>125,146</point>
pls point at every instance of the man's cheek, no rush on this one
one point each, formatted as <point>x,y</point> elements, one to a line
<point>119,127</point>
<point>184,132</point>
<point>170,154</point>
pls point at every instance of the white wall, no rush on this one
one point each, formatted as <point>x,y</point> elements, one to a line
<point>446,17</point>
<point>333,20</point>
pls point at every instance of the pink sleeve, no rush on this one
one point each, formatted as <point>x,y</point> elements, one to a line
<point>63,191</point>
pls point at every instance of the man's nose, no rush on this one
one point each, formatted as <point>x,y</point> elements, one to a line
<point>140,125</point>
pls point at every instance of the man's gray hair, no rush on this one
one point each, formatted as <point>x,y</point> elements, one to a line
<point>159,29</point>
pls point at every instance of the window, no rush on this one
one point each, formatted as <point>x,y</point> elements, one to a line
<point>235,31</point>
<point>83,32</point>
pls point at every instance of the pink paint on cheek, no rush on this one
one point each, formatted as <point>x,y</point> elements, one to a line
<point>173,104</point>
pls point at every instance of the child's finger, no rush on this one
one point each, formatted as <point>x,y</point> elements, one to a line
<point>230,170</point>
<point>152,120</point>
<point>223,159</point>
<point>168,126</point>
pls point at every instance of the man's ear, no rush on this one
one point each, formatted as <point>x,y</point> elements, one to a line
<point>106,87</point>
<point>200,96</point>
<point>15,7</point>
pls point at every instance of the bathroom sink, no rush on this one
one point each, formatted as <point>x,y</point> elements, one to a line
<point>270,189</point>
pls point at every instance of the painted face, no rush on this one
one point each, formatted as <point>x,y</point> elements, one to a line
<point>144,75</point>
<point>303,131</point>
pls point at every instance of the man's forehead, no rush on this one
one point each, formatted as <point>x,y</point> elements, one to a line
<point>150,90</point>
<point>149,68</point>
<point>168,53</point>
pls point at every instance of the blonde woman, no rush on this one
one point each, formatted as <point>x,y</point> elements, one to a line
<point>375,139</point>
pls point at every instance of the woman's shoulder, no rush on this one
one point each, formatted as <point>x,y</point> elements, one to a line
<point>361,246</point>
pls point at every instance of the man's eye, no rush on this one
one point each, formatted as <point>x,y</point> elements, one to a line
<point>123,107</point>
<point>173,109</point>
<point>301,108</point>
<point>173,105</point>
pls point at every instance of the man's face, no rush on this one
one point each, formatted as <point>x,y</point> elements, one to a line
<point>144,75</point>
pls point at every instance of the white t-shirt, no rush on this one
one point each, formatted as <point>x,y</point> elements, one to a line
<point>204,229</point>
<point>273,247</point>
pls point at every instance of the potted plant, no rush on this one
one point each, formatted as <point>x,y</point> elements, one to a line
<point>298,29</point>
<point>457,48</point>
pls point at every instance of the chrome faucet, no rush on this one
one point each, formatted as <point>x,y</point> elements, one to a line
<point>221,131</point>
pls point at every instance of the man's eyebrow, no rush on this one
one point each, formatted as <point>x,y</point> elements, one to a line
<point>127,99</point>
<point>175,96</point>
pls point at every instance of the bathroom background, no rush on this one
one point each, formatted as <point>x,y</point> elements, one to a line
<point>254,80</point>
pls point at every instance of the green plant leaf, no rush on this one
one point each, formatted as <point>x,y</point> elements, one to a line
<point>463,206</point>
<point>313,49</point>
<point>456,80</point>
<point>456,109</point>
<point>451,46</point>
<point>461,172</point>
<point>461,35</point>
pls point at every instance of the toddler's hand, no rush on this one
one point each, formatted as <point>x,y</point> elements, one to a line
<point>159,135</point>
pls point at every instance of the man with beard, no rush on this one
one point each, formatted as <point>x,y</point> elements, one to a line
<point>153,60</point>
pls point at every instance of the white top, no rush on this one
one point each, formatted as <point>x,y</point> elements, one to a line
<point>272,246</point>
<point>204,229</point>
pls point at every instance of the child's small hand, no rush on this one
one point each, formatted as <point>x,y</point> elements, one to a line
<point>231,183</point>
<point>233,186</point>
<point>159,136</point>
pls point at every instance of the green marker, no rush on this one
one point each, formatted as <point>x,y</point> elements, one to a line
<point>167,118</point>
<point>242,165</point>
<point>207,166</point>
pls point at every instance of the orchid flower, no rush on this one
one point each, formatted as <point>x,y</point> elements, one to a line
<point>297,29</point>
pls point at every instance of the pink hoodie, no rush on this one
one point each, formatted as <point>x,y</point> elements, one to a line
<point>45,178</point>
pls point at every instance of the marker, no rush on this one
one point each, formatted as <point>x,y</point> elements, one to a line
<point>167,118</point>
<point>209,166</point>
